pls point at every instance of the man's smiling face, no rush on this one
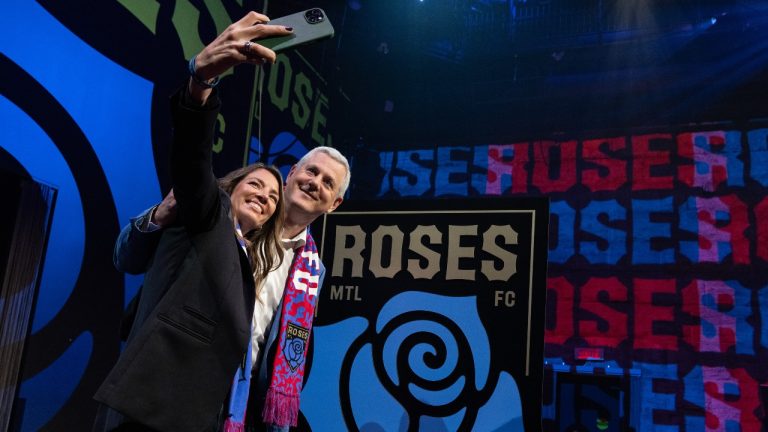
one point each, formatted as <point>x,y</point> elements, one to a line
<point>312,188</point>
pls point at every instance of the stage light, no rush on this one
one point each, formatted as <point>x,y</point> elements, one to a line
<point>713,20</point>
<point>603,422</point>
<point>589,353</point>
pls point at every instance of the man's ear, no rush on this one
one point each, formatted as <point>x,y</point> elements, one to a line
<point>337,202</point>
<point>290,172</point>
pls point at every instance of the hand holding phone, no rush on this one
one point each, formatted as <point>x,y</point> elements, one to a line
<point>309,26</point>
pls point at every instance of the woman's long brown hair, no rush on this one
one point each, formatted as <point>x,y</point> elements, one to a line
<point>264,250</point>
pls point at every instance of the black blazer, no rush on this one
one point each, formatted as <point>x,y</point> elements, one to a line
<point>194,316</point>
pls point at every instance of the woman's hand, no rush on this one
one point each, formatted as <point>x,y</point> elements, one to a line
<point>234,46</point>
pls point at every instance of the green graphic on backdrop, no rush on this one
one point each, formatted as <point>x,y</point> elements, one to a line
<point>186,18</point>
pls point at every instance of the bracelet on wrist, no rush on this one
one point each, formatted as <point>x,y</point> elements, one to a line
<point>196,78</point>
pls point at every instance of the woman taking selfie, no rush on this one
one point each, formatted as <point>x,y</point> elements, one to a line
<point>187,361</point>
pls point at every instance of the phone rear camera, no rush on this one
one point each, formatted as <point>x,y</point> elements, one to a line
<point>314,16</point>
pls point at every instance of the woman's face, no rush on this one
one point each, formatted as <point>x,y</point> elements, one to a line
<point>254,199</point>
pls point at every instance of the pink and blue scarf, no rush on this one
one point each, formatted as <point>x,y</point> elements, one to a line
<point>281,406</point>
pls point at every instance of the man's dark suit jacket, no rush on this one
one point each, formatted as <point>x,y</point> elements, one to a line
<point>193,320</point>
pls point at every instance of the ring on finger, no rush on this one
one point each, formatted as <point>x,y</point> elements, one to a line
<point>247,46</point>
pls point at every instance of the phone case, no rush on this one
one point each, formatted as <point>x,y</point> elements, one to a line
<point>309,26</point>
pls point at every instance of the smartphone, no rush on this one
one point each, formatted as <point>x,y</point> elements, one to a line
<point>309,26</point>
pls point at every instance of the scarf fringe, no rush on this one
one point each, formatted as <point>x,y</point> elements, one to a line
<point>233,426</point>
<point>280,409</point>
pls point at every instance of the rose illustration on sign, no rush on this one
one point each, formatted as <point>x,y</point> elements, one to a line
<point>425,364</point>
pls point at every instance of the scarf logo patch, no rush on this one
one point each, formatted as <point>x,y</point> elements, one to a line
<point>295,343</point>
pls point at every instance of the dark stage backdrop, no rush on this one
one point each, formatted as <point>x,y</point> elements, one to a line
<point>430,317</point>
